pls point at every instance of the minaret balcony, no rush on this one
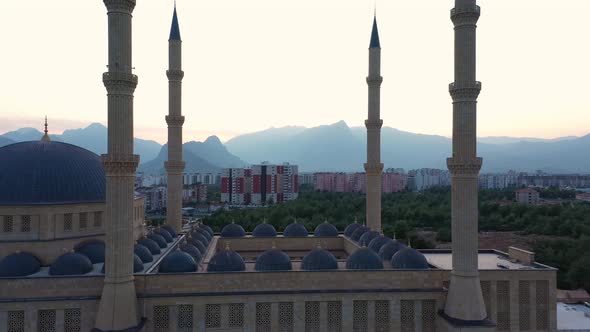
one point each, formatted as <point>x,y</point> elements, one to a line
<point>465,16</point>
<point>465,91</point>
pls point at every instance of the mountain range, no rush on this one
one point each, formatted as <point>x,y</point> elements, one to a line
<point>337,147</point>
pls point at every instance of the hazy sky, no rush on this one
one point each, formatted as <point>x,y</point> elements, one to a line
<point>253,64</point>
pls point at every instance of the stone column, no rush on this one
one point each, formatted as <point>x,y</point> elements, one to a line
<point>175,165</point>
<point>373,166</point>
<point>118,305</point>
<point>465,300</point>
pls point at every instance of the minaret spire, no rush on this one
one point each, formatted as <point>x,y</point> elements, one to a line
<point>373,166</point>
<point>174,165</point>
<point>46,137</point>
<point>464,300</point>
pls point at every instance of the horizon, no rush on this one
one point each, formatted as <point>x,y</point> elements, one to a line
<point>231,78</point>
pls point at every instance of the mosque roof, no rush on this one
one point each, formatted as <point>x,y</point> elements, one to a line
<point>325,229</point>
<point>197,243</point>
<point>356,235</point>
<point>19,264</point>
<point>233,230</point>
<point>143,253</point>
<point>94,250</point>
<point>226,261</point>
<point>264,230</point>
<point>169,229</point>
<point>178,262</point>
<point>389,249</point>
<point>364,259</point>
<point>273,260</point>
<point>295,230</point>
<point>378,242</point>
<point>47,172</point>
<point>192,250</point>
<point>366,238</point>
<point>71,263</point>
<point>409,259</point>
<point>351,228</point>
<point>319,259</point>
<point>159,239</point>
<point>164,233</point>
<point>152,245</point>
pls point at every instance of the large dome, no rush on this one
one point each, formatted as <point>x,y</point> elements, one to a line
<point>39,172</point>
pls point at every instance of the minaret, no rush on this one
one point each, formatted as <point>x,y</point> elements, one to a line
<point>465,300</point>
<point>118,304</point>
<point>374,167</point>
<point>46,137</point>
<point>175,165</point>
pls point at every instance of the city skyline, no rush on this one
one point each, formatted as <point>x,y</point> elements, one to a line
<point>231,86</point>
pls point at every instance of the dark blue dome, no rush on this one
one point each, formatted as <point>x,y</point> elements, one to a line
<point>39,172</point>
<point>295,230</point>
<point>356,235</point>
<point>193,251</point>
<point>152,245</point>
<point>203,232</point>
<point>71,263</point>
<point>170,230</point>
<point>200,237</point>
<point>378,242</point>
<point>159,239</point>
<point>226,261</point>
<point>366,238</point>
<point>178,262</point>
<point>165,234</point>
<point>94,250</point>
<point>143,253</point>
<point>137,264</point>
<point>207,228</point>
<point>409,259</point>
<point>233,230</point>
<point>264,230</point>
<point>351,228</point>
<point>325,229</point>
<point>273,260</point>
<point>364,259</point>
<point>197,243</point>
<point>319,259</point>
<point>389,249</point>
<point>19,264</point>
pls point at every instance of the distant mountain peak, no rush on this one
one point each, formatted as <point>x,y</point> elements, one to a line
<point>213,140</point>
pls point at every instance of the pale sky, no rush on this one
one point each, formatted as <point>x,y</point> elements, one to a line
<point>254,64</point>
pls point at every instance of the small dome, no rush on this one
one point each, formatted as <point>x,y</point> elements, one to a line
<point>409,259</point>
<point>356,235</point>
<point>203,232</point>
<point>137,264</point>
<point>178,262</point>
<point>226,261</point>
<point>71,263</point>
<point>152,245</point>
<point>366,238</point>
<point>192,250</point>
<point>19,264</point>
<point>169,229</point>
<point>94,250</point>
<point>164,233</point>
<point>319,259</point>
<point>233,230</point>
<point>351,228</point>
<point>197,243</point>
<point>207,228</point>
<point>264,230</point>
<point>364,259</point>
<point>295,230</point>
<point>273,260</point>
<point>200,237</point>
<point>389,249</point>
<point>159,239</point>
<point>378,242</point>
<point>325,229</point>
<point>143,253</point>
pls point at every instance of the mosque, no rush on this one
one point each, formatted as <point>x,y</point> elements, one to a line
<point>75,254</point>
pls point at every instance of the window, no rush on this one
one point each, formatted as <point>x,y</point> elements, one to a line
<point>68,224</point>
<point>16,321</point>
<point>213,316</point>
<point>72,320</point>
<point>542,303</point>
<point>83,220</point>
<point>503,302</point>
<point>263,317</point>
<point>407,315</point>
<point>524,305</point>
<point>382,316</point>
<point>360,317</point>
<point>7,225</point>
<point>185,318</point>
<point>334,316</point>
<point>236,315</point>
<point>98,219</point>
<point>286,317</point>
<point>161,318</point>
<point>46,321</point>
<point>312,316</point>
<point>428,315</point>
<point>25,224</point>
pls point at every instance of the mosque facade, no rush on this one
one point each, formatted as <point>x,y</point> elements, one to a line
<point>75,254</point>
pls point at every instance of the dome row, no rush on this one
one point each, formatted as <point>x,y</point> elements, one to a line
<point>292,230</point>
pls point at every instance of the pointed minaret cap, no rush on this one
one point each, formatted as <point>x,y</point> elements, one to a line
<point>375,35</point>
<point>46,137</point>
<point>174,29</point>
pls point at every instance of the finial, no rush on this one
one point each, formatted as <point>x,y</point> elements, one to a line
<point>46,137</point>
<point>356,220</point>
<point>295,220</point>
<point>264,221</point>
<point>409,243</point>
<point>394,236</point>
<point>227,245</point>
